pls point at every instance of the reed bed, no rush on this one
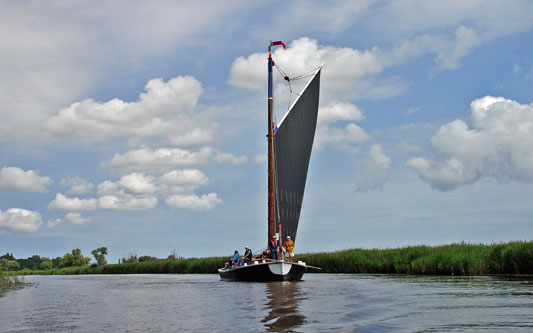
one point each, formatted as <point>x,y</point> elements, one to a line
<point>161,266</point>
<point>8,281</point>
<point>454,259</point>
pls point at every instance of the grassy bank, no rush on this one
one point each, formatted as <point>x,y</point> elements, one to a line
<point>456,259</point>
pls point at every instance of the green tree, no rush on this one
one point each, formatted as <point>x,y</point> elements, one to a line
<point>56,262</point>
<point>32,262</point>
<point>46,264</point>
<point>13,265</point>
<point>3,263</point>
<point>147,258</point>
<point>132,257</point>
<point>99,254</point>
<point>8,256</point>
<point>74,259</point>
<point>9,265</point>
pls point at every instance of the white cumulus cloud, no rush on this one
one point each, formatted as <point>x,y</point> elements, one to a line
<point>125,201</point>
<point>154,114</point>
<point>76,218</point>
<point>184,177</point>
<point>137,183</point>
<point>64,203</point>
<point>76,185</point>
<point>204,202</point>
<point>340,138</point>
<point>13,179</point>
<point>339,112</point>
<point>19,220</point>
<point>350,73</point>
<point>466,40</point>
<point>60,52</point>
<point>140,191</point>
<point>195,137</point>
<point>52,224</point>
<point>497,145</point>
<point>159,160</point>
<point>114,196</point>
<point>165,159</point>
<point>344,68</point>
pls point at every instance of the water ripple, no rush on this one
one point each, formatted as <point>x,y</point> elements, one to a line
<point>321,303</point>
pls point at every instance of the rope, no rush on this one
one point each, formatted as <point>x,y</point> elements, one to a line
<point>290,95</point>
<point>259,252</point>
<point>281,71</point>
<point>288,79</point>
<point>303,76</point>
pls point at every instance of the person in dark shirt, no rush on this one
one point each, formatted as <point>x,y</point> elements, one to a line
<point>247,257</point>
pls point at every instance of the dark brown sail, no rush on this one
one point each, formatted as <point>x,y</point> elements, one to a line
<point>293,143</point>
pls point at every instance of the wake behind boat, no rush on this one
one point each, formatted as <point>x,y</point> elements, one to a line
<point>289,152</point>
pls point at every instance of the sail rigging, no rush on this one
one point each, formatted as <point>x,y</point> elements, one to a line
<point>293,143</point>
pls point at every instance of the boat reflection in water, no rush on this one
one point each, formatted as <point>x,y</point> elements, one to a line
<point>282,302</point>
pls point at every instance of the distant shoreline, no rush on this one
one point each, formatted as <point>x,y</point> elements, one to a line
<point>455,259</point>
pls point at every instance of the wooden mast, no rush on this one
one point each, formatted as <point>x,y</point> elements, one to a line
<point>271,218</point>
<point>271,201</point>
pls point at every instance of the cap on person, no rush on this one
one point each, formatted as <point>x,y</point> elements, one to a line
<point>274,237</point>
<point>246,247</point>
<point>289,237</point>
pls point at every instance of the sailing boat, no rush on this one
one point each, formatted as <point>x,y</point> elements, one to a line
<point>289,152</point>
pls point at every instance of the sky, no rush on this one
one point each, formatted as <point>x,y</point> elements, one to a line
<point>140,126</point>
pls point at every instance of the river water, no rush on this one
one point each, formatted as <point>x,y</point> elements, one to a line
<point>321,302</point>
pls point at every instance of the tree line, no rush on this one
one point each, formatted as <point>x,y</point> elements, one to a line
<point>75,258</point>
<point>515,257</point>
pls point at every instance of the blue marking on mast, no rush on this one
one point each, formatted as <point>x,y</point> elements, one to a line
<point>270,78</point>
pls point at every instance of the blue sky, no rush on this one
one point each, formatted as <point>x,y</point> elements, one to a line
<point>140,126</point>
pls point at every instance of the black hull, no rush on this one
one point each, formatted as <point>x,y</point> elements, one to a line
<point>264,272</point>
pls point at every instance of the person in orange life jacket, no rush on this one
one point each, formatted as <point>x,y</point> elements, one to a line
<point>273,246</point>
<point>289,247</point>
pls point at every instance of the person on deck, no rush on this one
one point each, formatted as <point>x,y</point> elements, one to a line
<point>289,247</point>
<point>247,257</point>
<point>273,247</point>
<point>234,260</point>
